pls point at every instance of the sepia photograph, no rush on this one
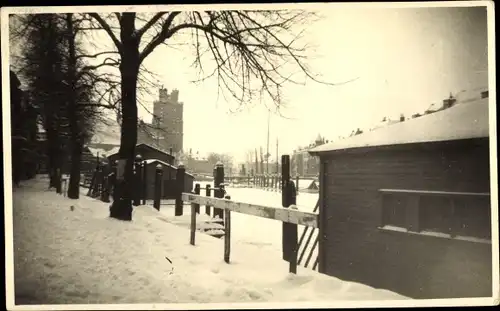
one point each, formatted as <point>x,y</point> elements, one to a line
<point>224,156</point>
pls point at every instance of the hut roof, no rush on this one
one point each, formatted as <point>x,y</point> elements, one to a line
<point>102,152</point>
<point>115,150</point>
<point>149,161</point>
<point>465,120</point>
<point>154,148</point>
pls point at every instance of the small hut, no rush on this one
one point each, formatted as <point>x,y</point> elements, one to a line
<point>407,208</point>
<point>169,183</point>
<point>147,152</point>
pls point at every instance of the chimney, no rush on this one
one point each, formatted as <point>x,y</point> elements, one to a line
<point>401,118</point>
<point>163,95</point>
<point>485,94</point>
<point>174,96</point>
<point>170,150</point>
<point>449,102</point>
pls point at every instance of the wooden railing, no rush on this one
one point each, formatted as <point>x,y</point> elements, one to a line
<point>288,214</point>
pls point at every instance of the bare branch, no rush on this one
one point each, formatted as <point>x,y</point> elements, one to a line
<point>164,34</point>
<point>149,24</point>
<point>96,55</point>
<point>108,30</point>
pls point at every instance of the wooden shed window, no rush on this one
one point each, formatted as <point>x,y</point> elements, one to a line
<point>447,214</point>
<point>394,211</point>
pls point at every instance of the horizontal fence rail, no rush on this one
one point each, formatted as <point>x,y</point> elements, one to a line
<point>289,215</point>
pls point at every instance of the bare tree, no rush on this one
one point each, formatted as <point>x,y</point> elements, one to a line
<point>251,50</point>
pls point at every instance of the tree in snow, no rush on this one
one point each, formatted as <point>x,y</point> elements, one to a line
<point>23,133</point>
<point>250,49</point>
<point>67,90</point>
<point>41,61</point>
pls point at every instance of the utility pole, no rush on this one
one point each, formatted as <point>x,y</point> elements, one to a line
<point>277,157</point>
<point>267,154</point>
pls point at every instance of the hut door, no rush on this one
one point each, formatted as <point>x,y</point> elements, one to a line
<point>169,185</point>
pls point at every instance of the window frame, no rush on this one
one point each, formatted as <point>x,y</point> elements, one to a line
<point>413,225</point>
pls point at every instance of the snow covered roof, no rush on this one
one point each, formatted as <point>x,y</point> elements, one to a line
<point>462,121</point>
<point>149,161</point>
<point>154,148</point>
<point>103,152</point>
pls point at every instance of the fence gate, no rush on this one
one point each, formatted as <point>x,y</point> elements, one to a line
<point>308,245</point>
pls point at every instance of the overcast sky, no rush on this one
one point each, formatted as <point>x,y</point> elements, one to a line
<point>406,59</point>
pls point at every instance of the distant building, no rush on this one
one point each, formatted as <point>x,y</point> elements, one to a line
<point>304,164</point>
<point>199,166</point>
<point>166,130</point>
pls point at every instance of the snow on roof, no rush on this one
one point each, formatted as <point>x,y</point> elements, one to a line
<point>154,148</point>
<point>149,161</point>
<point>103,152</point>
<point>462,121</point>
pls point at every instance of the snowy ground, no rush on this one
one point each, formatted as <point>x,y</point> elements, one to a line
<point>80,256</point>
<point>247,229</point>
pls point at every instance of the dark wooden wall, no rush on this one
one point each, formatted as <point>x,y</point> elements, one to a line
<point>169,184</point>
<point>353,248</point>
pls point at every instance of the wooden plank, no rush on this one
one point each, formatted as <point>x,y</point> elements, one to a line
<point>311,253</point>
<point>227,235</point>
<point>293,260</point>
<point>426,192</point>
<point>193,224</point>
<point>304,232</point>
<point>289,215</point>
<point>309,238</point>
<point>315,263</point>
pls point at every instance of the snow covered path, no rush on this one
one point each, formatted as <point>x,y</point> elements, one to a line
<point>80,256</point>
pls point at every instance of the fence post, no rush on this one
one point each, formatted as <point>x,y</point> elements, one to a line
<point>197,191</point>
<point>97,188</point>
<point>227,233</point>
<point>105,188</point>
<point>112,180</point>
<point>208,194</point>
<point>158,186</point>
<point>93,182</point>
<point>288,197</point>
<point>194,208</point>
<point>219,188</point>
<point>144,182</point>
<point>179,178</point>
<point>138,183</point>
<point>297,182</point>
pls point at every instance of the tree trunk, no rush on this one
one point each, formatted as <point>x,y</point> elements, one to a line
<point>74,177</point>
<point>122,207</point>
<point>52,153</point>
<point>75,130</point>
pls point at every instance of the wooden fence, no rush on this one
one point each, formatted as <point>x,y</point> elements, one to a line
<point>268,182</point>
<point>294,250</point>
<point>288,214</point>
